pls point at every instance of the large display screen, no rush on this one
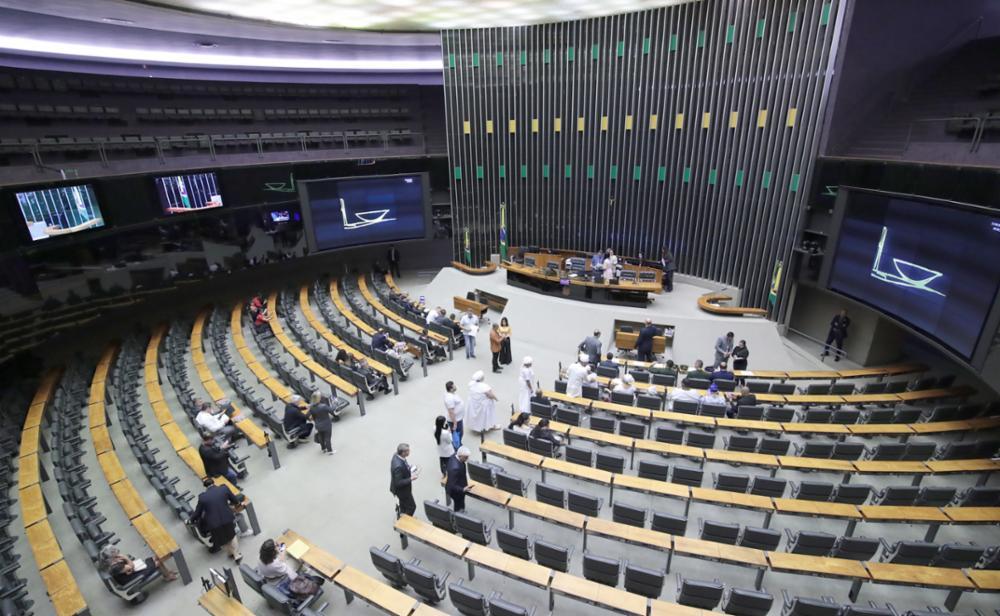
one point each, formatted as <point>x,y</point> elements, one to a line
<point>931,265</point>
<point>364,210</point>
<point>180,194</point>
<point>52,212</point>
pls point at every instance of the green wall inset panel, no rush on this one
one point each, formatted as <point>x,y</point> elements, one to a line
<point>700,40</point>
<point>458,172</point>
<point>792,18</point>
<point>479,172</point>
<point>524,171</point>
<point>570,53</point>
<point>730,34</point>
<point>646,44</point>
<point>502,171</point>
<point>824,15</point>
<point>499,58</point>
<point>661,174</point>
<point>451,60</point>
<point>637,172</point>
<point>765,181</point>
<point>794,184</point>
<point>686,178</point>
<point>761,26</point>
<point>524,57</point>
<point>546,55</point>
<point>545,170</point>
<point>713,176</point>
<point>475,59</point>
<point>620,51</point>
<point>673,42</point>
<point>568,171</point>
<point>614,172</point>
<point>590,172</point>
<point>739,178</point>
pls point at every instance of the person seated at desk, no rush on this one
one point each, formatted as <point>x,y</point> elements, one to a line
<point>713,396</point>
<point>436,351</point>
<point>212,420</point>
<point>609,362</point>
<point>698,372</point>
<point>722,372</point>
<point>542,432</point>
<point>434,315</point>
<point>742,397</point>
<point>295,417</point>
<point>626,386</point>
<point>452,324</point>
<point>125,570</point>
<point>399,351</point>
<point>684,392</point>
<point>260,322</point>
<point>380,341</point>
<point>669,368</point>
<point>521,423</point>
<point>214,454</point>
<point>273,568</point>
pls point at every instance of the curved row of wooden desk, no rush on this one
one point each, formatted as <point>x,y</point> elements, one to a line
<point>349,314</point>
<point>795,427</point>
<point>488,268</point>
<point>957,581</point>
<point>852,514</point>
<point>710,302</point>
<point>336,342</point>
<point>279,391</point>
<point>60,584</point>
<point>416,328</point>
<point>145,522</point>
<point>985,466</point>
<point>876,372</point>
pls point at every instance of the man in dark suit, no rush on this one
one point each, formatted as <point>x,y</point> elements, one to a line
<point>215,517</point>
<point>668,266</point>
<point>394,260</point>
<point>609,362</point>
<point>458,480</point>
<point>215,458</point>
<point>644,344</point>
<point>837,334</point>
<point>722,372</point>
<point>401,483</point>
<point>743,398</point>
<point>295,419</point>
<point>380,341</point>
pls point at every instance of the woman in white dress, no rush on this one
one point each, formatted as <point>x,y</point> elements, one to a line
<point>481,408</point>
<point>525,385</point>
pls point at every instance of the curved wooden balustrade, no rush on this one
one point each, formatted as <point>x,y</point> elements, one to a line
<point>711,302</point>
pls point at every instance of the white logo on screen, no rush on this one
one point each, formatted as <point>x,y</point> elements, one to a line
<point>907,274</point>
<point>363,219</point>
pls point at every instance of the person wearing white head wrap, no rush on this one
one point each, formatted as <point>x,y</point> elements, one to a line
<point>481,408</point>
<point>525,385</point>
<point>575,375</point>
<point>627,386</point>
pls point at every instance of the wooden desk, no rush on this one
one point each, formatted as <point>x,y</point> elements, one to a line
<point>392,316</point>
<point>658,607</point>
<point>509,566</point>
<point>597,594</point>
<point>327,334</point>
<point>741,457</point>
<point>130,500</point>
<point>155,535</point>
<point>816,464</point>
<point>162,412</point>
<point>934,394</point>
<point>254,433</point>
<point>800,427</point>
<point>323,562</point>
<point>818,565</point>
<point>761,374</point>
<point>29,442</point>
<point>987,580</point>
<point>887,513</point>
<point>34,417</point>
<point>112,468</point>
<point>911,575</point>
<point>709,302</point>
<point>813,399</point>
<point>748,424</point>
<point>432,535</point>
<point>218,603</point>
<point>32,504</point>
<point>511,453</point>
<point>578,471</point>
<point>375,592</point>
<point>66,601</point>
<point>96,414</point>
<point>813,375</point>
<point>711,550</point>
<point>629,534</point>
<point>467,305</point>
<point>885,429</point>
<point>178,440</point>
<point>815,508</point>
<point>871,399</point>
<point>43,544</point>
<point>652,486</point>
<point>733,499</point>
<point>972,515</point>
<point>101,438</point>
<point>670,449</point>
<point>193,459</point>
<point>542,511</point>
<point>891,468</point>
<point>615,440</point>
<point>97,391</point>
<point>963,466</point>
<point>28,471</point>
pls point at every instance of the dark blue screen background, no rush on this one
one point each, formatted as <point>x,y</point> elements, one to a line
<point>402,195</point>
<point>963,245</point>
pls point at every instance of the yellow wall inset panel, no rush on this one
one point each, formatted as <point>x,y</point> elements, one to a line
<point>679,121</point>
<point>557,125</point>
<point>512,126</point>
<point>466,127</point>
<point>793,114</point>
<point>534,125</point>
<point>579,124</point>
<point>628,122</point>
<point>762,118</point>
<point>653,121</point>
<point>604,122</point>
<point>489,127</point>
<point>706,120</point>
<point>734,119</point>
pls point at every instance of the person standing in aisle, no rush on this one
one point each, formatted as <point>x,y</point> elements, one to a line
<point>470,327</point>
<point>322,416</point>
<point>457,483</point>
<point>394,261</point>
<point>444,441</point>
<point>837,334</point>
<point>525,385</point>
<point>505,331</point>
<point>668,266</point>
<point>401,482</point>
<point>455,409</point>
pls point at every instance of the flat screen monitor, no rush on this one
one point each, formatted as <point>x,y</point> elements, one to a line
<point>529,261</point>
<point>54,212</point>
<point>190,192</point>
<point>280,216</point>
<point>931,265</point>
<point>342,212</point>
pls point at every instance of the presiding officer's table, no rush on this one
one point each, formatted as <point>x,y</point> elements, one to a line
<point>625,293</point>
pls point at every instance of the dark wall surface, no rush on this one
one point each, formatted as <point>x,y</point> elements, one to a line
<point>693,127</point>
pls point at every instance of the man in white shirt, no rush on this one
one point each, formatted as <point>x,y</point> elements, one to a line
<point>432,315</point>
<point>455,409</point>
<point>470,327</point>
<point>576,374</point>
<point>211,419</point>
<point>683,393</point>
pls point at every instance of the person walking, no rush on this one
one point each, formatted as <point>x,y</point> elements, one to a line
<point>214,516</point>
<point>455,409</point>
<point>496,343</point>
<point>457,483</point>
<point>322,416</point>
<point>445,442</point>
<point>525,385</point>
<point>837,334</point>
<point>505,331</point>
<point>401,481</point>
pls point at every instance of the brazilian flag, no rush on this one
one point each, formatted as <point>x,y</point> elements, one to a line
<point>503,232</point>
<point>468,249</point>
<point>772,297</point>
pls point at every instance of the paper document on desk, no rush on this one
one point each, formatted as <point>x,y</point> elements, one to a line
<point>138,565</point>
<point>298,549</point>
